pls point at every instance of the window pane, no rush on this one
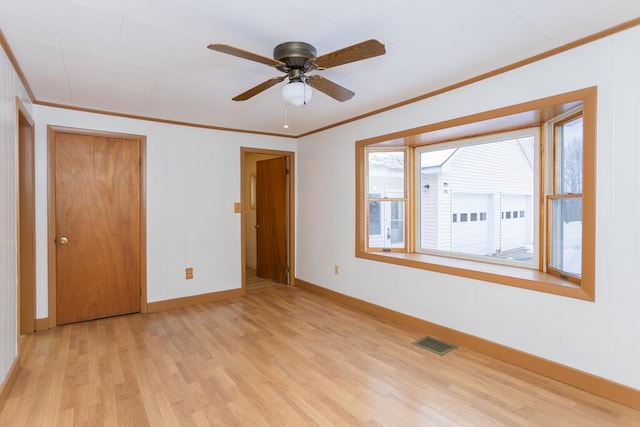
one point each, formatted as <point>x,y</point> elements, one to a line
<point>374,218</point>
<point>386,230</point>
<point>566,236</point>
<point>386,173</point>
<point>570,157</point>
<point>495,179</point>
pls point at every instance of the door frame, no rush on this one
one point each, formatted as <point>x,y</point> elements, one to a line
<point>52,130</point>
<point>246,197</point>
<point>25,136</point>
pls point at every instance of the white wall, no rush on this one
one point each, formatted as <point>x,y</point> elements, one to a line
<point>193,180</point>
<point>602,338</point>
<point>10,87</point>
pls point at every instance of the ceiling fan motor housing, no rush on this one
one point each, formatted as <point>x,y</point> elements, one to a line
<point>295,54</point>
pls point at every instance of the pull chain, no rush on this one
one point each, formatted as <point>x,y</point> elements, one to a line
<point>286,118</point>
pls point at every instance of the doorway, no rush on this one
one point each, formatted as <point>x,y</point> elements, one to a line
<point>96,225</point>
<point>26,223</point>
<point>267,218</point>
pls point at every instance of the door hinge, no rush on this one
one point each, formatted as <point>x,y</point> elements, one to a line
<point>286,171</point>
<point>286,275</point>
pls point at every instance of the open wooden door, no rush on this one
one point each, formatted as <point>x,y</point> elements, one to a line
<point>271,219</point>
<point>97,226</point>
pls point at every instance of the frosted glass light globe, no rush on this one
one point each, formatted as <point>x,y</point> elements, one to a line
<point>296,93</point>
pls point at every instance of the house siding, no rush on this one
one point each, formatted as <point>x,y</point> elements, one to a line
<point>462,186</point>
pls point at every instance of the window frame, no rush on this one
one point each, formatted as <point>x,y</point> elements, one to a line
<point>527,114</point>
<point>554,192</point>
<point>489,138</point>
<point>382,199</point>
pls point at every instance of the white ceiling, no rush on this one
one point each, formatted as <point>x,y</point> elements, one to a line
<point>149,57</point>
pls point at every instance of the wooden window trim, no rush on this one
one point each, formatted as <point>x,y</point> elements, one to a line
<point>387,199</point>
<point>383,199</point>
<point>551,270</point>
<point>555,189</point>
<point>557,194</point>
<point>528,114</point>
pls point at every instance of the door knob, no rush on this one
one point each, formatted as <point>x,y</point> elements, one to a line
<point>257,226</point>
<point>63,240</point>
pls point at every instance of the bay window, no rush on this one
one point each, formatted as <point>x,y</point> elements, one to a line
<point>506,196</point>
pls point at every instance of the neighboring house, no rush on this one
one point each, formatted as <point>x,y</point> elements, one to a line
<point>460,210</point>
<point>468,211</point>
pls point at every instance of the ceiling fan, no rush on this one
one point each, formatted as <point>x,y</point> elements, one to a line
<point>296,59</point>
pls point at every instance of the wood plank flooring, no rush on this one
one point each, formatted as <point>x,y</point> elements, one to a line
<point>255,283</point>
<point>279,356</point>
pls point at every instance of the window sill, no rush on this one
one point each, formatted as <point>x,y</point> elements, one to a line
<point>505,275</point>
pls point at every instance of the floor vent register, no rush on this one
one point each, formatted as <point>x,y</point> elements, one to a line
<point>434,345</point>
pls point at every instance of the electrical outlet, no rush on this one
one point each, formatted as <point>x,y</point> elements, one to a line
<point>188,273</point>
<point>336,269</point>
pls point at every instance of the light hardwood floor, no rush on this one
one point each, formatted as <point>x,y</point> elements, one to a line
<point>279,356</point>
<point>255,283</point>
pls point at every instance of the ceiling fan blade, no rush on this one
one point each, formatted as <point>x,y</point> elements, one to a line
<point>230,50</point>
<point>260,88</point>
<point>330,88</point>
<point>357,52</point>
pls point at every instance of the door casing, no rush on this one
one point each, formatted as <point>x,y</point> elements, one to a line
<point>51,207</point>
<point>290,158</point>
<point>26,222</point>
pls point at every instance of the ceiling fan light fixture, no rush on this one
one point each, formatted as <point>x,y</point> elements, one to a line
<point>297,93</point>
<point>295,59</point>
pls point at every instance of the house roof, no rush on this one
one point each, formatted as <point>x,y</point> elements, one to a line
<point>437,158</point>
<point>148,58</point>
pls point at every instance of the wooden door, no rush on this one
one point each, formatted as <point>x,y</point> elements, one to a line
<point>98,245</point>
<point>271,219</point>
